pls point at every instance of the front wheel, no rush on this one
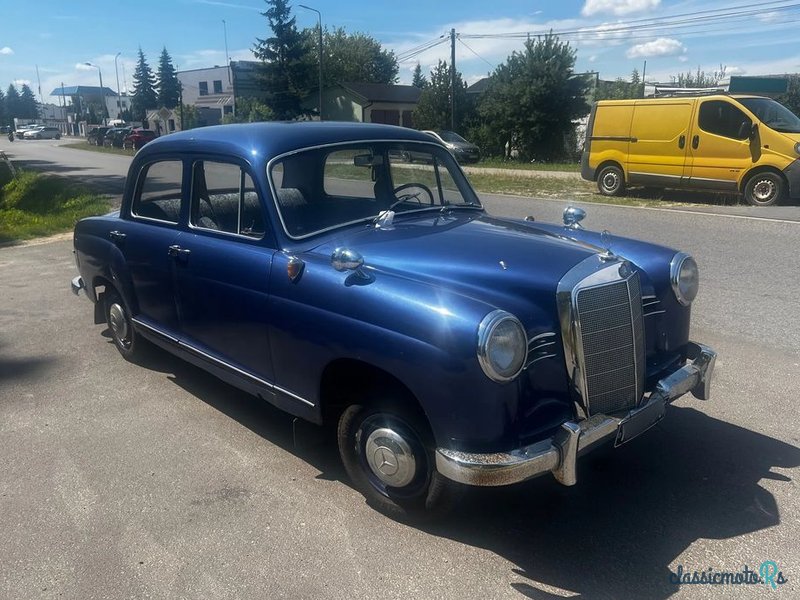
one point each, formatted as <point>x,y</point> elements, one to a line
<point>387,451</point>
<point>764,189</point>
<point>611,181</point>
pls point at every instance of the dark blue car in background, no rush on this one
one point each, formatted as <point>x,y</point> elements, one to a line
<point>314,266</point>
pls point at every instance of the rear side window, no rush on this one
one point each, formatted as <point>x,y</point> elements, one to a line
<point>158,195</point>
<point>723,118</point>
<point>224,199</point>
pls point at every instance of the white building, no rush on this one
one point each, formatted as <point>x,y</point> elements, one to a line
<point>113,108</point>
<point>210,88</point>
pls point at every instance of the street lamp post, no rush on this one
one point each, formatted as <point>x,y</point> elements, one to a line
<point>102,95</point>
<point>116,71</point>
<point>319,17</point>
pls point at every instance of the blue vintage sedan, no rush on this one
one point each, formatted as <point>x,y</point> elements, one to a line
<point>314,266</point>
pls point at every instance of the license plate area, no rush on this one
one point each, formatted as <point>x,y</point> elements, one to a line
<point>640,421</point>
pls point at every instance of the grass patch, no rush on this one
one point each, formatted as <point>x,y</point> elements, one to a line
<point>104,149</point>
<point>499,163</point>
<point>34,205</point>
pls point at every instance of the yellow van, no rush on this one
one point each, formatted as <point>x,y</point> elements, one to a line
<point>745,144</point>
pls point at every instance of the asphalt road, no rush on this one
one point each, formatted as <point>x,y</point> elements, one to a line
<point>160,481</point>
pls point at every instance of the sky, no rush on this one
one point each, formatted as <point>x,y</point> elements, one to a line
<point>612,37</point>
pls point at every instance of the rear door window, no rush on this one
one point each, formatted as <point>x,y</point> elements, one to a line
<point>224,199</point>
<point>159,192</point>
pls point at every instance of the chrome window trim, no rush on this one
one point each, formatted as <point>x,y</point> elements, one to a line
<point>274,192</point>
<point>268,384</point>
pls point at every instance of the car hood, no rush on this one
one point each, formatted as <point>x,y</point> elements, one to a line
<point>500,261</point>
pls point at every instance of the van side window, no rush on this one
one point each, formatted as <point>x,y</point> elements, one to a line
<point>723,118</point>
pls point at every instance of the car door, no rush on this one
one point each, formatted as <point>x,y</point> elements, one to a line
<point>144,238</point>
<point>223,270</point>
<point>658,142</point>
<point>720,145</point>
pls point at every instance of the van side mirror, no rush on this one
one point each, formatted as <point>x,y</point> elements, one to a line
<point>747,130</point>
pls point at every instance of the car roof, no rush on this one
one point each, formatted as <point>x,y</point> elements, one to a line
<point>267,140</point>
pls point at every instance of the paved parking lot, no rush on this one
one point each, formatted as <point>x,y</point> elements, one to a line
<point>160,481</point>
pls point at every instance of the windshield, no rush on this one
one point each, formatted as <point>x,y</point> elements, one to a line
<point>324,188</point>
<point>773,114</point>
<point>452,137</point>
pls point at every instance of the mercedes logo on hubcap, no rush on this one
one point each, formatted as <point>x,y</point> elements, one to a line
<point>385,460</point>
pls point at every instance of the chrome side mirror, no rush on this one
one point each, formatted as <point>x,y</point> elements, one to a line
<point>344,259</point>
<point>573,216</point>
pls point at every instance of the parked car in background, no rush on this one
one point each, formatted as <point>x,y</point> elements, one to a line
<point>23,129</point>
<point>43,133</point>
<point>115,135</point>
<point>461,149</point>
<point>138,137</point>
<point>96,135</point>
<point>742,144</point>
<point>5,129</point>
<point>309,265</point>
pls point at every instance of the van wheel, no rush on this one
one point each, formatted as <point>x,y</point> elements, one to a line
<point>764,189</point>
<point>611,181</point>
<point>387,451</point>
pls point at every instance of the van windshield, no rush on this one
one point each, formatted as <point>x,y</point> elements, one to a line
<point>773,114</point>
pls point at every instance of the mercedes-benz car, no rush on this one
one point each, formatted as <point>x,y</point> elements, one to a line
<point>313,266</point>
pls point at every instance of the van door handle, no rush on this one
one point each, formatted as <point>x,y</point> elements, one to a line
<point>682,142</point>
<point>695,142</point>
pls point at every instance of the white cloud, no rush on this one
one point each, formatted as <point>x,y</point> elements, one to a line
<point>771,17</point>
<point>659,47</point>
<point>84,67</point>
<point>20,82</point>
<point>6,50</point>
<point>618,7</point>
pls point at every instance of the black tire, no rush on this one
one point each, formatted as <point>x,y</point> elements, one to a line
<point>130,344</point>
<point>611,181</point>
<point>58,136</point>
<point>425,492</point>
<point>764,189</point>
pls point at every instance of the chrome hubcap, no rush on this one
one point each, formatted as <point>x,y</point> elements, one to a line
<point>764,190</point>
<point>118,322</point>
<point>390,457</point>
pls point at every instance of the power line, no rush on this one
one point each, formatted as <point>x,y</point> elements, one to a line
<point>417,50</point>
<point>463,43</point>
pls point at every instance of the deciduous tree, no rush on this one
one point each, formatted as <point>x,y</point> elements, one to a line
<point>144,93</point>
<point>348,57</point>
<point>433,108</point>
<point>531,101</point>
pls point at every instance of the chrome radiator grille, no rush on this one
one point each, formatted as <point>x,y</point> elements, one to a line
<point>610,336</point>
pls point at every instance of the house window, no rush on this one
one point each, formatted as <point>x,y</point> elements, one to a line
<point>227,109</point>
<point>203,86</point>
<point>217,86</point>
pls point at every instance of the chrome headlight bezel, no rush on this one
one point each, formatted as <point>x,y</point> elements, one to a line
<point>486,332</point>
<point>682,270</point>
<point>797,148</point>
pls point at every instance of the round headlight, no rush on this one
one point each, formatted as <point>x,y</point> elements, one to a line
<point>797,147</point>
<point>685,278</point>
<point>502,346</point>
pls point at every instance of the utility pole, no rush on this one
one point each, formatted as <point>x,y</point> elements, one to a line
<point>452,79</point>
<point>119,102</point>
<point>319,23</point>
<point>180,103</point>
<point>644,72</point>
<point>227,58</point>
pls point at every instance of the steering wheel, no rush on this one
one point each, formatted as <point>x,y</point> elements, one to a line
<point>406,197</point>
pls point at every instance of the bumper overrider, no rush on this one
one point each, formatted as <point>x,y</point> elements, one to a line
<point>559,453</point>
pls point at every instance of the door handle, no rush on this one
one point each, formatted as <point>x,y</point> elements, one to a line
<point>117,236</point>
<point>682,142</point>
<point>695,142</point>
<point>176,251</point>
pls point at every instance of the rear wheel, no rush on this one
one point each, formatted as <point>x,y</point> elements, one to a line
<point>611,181</point>
<point>764,189</point>
<point>387,450</point>
<point>127,341</point>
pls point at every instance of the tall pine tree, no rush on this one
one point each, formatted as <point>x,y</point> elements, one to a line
<point>28,106</point>
<point>3,116</point>
<point>285,73</point>
<point>12,103</point>
<point>419,80</point>
<point>144,93</point>
<point>168,84</point>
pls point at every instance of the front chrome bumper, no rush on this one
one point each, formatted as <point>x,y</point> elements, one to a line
<point>77,285</point>
<point>559,454</point>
